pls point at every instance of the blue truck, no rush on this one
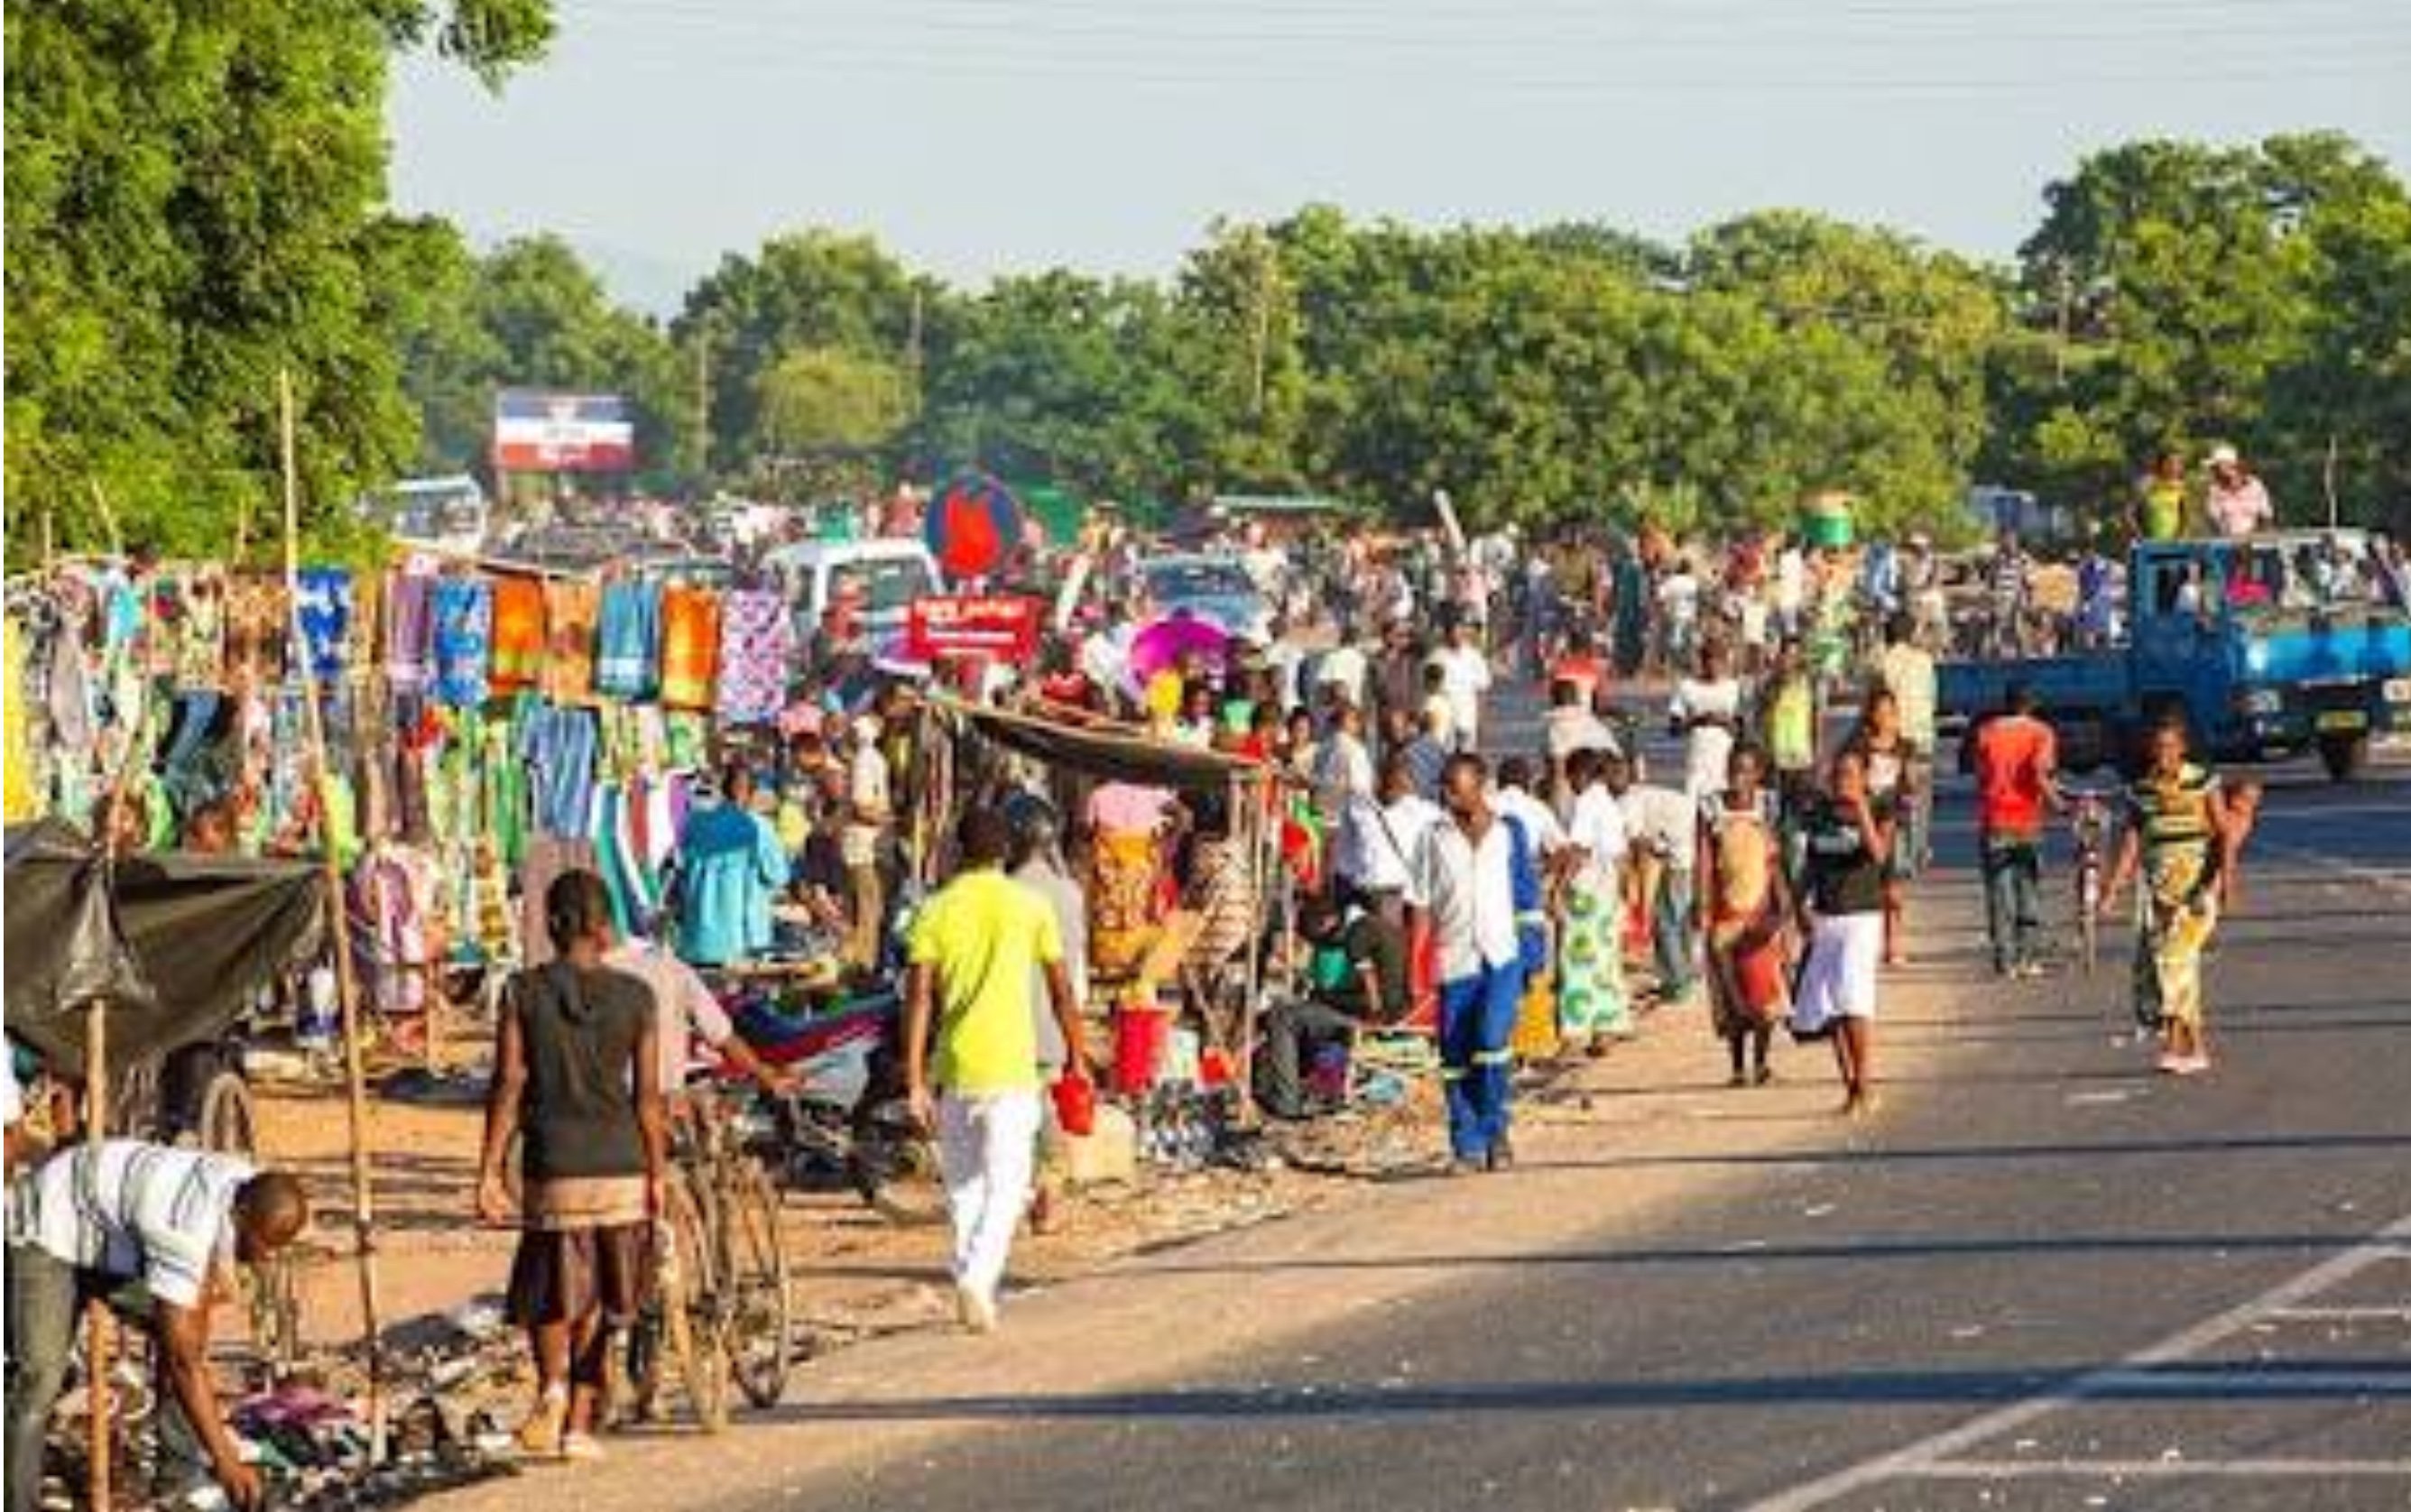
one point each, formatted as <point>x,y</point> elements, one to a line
<point>2274,646</point>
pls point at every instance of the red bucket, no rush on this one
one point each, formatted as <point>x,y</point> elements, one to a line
<point>1075,1105</point>
<point>1142,1036</point>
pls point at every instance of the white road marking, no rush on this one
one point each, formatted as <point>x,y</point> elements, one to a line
<point>2339,1314</point>
<point>1916,1459</point>
<point>2159,1469</point>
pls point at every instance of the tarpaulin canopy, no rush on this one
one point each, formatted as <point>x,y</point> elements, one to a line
<point>1111,754</point>
<point>172,944</point>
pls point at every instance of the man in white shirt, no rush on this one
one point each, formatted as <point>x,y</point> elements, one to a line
<point>101,1216</point>
<point>1392,822</point>
<point>1465,881</point>
<point>1516,800</point>
<point>1464,676</point>
<point>1344,793</point>
<point>1662,825</point>
<point>2238,501</point>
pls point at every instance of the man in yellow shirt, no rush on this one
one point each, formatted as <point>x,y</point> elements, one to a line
<point>973,952</point>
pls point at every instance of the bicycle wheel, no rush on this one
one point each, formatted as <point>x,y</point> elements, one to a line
<point>760,1322</point>
<point>688,1287</point>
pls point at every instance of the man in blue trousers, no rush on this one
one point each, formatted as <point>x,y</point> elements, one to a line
<point>1471,877</point>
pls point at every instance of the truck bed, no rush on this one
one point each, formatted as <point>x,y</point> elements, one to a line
<point>2095,681</point>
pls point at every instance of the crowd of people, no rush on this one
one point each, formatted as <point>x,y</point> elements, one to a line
<point>1439,877</point>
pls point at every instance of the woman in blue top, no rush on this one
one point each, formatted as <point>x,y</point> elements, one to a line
<point>730,865</point>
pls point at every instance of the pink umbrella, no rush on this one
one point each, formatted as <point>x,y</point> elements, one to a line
<point>1161,646</point>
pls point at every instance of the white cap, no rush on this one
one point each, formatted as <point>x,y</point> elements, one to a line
<point>2224,455</point>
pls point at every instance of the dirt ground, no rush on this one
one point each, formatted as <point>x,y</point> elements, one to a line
<point>859,1275</point>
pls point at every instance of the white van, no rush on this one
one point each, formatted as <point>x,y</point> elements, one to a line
<point>884,574</point>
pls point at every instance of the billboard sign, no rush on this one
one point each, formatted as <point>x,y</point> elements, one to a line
<point>547,430</point>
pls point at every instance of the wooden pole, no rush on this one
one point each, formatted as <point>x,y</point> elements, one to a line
<point>107,519</point>
<point>347,989</point>
<point>99,1338</point>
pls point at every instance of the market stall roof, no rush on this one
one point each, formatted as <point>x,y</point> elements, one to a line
<point>1114,753</point>
<point>172,942</point>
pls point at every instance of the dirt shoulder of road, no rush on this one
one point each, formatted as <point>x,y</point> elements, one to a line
<point>1611,1147</point>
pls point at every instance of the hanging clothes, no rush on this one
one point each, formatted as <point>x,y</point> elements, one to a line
<point>756,644</point>
<point>571,609</point>
<point>518,633</point>
<point>463,613</point>
<point>197,648</point>
<point>409,632</point>
<point>23,795</point>
<point>628,641</point>
<point>323,610</point>
<point>558,745</point>
<point>689,647</point>
<point>258,626</point>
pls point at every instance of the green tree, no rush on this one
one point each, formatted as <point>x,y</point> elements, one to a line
<point>197,202</point>
<point>823,415</point>
<point>810,289</point>
<point>2168,289</point>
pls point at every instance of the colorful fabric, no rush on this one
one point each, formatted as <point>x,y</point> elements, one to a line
<point>1591,994</point>
<point>628,638</point>
<point>463,610</point>
<point>257,628</point>
<point>1122,912</point>
<point>409,632</point>
<point>558,745</point>
<point>571,609</point>
<point>757,640</point>
<point>323,610</point>
<point>520,643</point>
<point>198,644</point>
<point>689,647</point>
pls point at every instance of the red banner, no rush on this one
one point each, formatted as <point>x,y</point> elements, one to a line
<point>992,625</point>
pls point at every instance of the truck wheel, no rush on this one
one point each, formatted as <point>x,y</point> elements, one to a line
<point>2343,755</point>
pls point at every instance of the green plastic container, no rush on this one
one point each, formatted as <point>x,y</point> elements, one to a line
<point>1828,526</point>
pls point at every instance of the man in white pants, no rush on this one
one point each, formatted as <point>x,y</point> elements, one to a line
<point>974,950</point>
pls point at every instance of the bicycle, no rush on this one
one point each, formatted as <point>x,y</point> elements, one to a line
<point>724,1307</point>
<point>2089,822</point>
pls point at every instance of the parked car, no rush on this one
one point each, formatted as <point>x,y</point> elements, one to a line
<point>1210,587</point>
<point>883,575</point>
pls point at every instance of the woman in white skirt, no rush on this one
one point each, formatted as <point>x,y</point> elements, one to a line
<point>1848,842</point>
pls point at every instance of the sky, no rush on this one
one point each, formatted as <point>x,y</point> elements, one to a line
<point>976,137</point>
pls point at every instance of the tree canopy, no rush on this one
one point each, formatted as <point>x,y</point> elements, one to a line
<point>197,202</point>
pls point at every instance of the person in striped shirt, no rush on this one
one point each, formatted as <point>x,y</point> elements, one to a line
<point>157,1232</point>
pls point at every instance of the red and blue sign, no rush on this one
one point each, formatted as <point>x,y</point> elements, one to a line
<point>973,527</point>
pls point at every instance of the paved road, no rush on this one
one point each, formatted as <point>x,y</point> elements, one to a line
<point>2046,1279</point>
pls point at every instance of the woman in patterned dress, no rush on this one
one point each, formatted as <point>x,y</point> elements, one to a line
<point>2179,841</point>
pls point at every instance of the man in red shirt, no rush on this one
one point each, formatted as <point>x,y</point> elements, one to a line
<point>2016,763</point>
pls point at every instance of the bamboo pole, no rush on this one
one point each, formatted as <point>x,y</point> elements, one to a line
<point>347,989</point>
<point>109,520</point>
<point>99,1337</point>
